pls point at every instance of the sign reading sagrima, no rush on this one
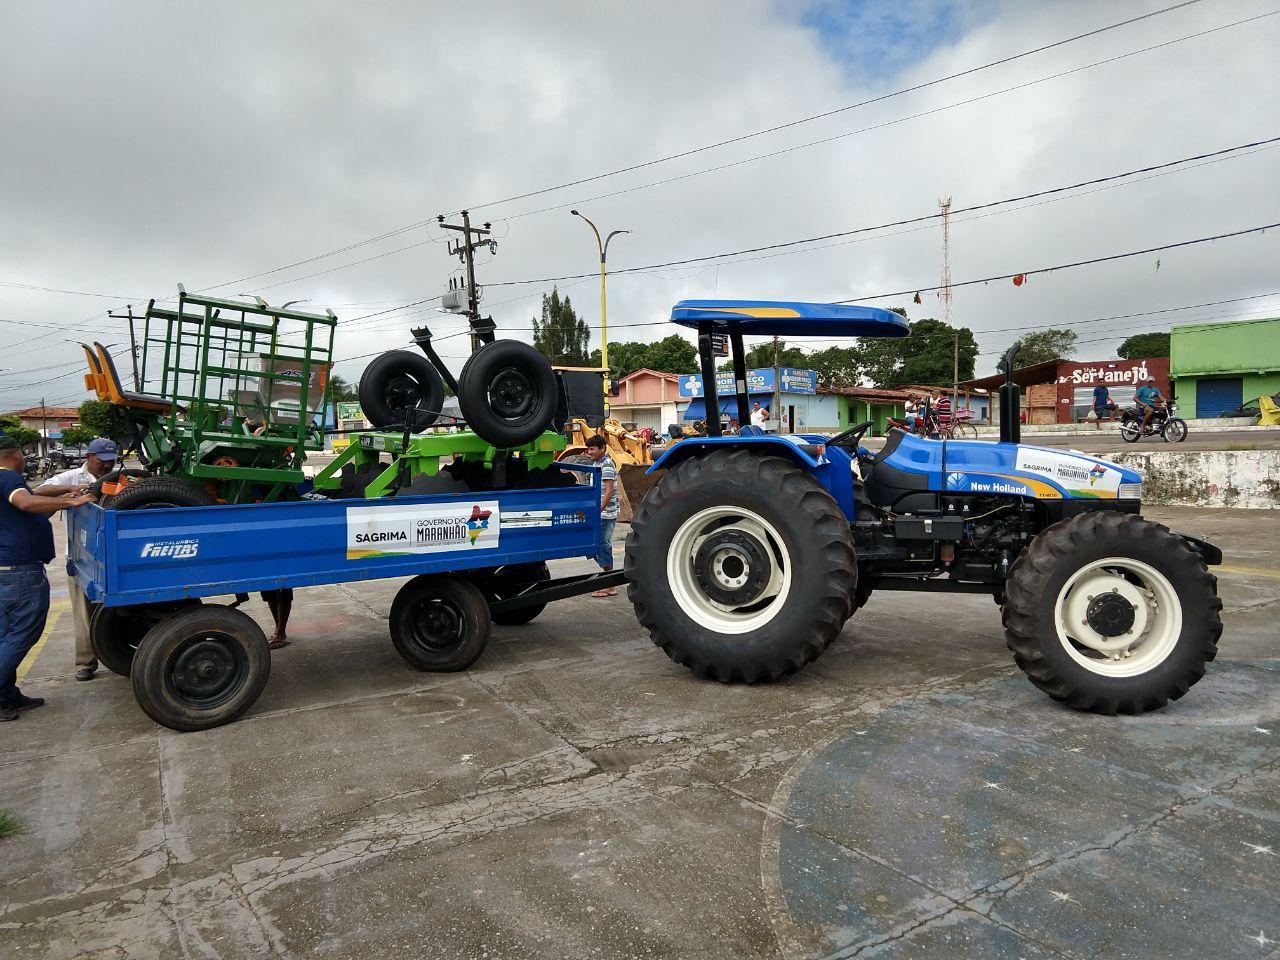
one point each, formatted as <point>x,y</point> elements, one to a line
<point>382,531</point>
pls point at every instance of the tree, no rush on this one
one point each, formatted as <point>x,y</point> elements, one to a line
<point>96,419</point>
<point>763,355</point>
<point>1041,346</point>
<point>340,391</point>
<point>928,354</point>
<point>77,436</point>
<point>560,336</point>
<point>23,436</point>
<point>836,366</point>
<point>1142,345</point>
<point>672,354</point>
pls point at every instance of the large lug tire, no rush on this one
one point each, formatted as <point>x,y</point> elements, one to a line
<point>115,632</point>
<point>401,387</point>
<point>439,623</point>
<point>508,393</point>
<point>201,668</point>
<point>1111,613</point>
<point>503,583</point>
<point>740,566</point>
<point>161,493</point>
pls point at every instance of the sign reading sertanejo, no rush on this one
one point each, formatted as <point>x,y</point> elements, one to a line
<point>428,528</point>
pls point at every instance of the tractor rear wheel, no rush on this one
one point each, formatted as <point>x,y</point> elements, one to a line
<point>740,566</point>
<point>1111,613</point>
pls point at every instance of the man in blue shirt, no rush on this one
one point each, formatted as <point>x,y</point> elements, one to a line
<point>1149,400</point>
<point>1102,404</point>
<point>26,545</point>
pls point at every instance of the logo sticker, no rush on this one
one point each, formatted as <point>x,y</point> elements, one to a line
<point>388,531</point>
<point>173,549</point>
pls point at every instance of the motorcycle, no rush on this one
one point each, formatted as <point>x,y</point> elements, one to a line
<point>1171,428</point>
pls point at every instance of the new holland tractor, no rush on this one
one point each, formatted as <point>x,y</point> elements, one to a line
<point>751,551</point>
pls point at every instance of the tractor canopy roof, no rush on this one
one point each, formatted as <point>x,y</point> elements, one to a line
<point>791,318</point>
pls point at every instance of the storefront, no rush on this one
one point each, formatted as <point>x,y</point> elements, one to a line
<point>792,398</point>
<point>647,398</point>
<point>1061,391</point>
<point>1219,367</point>
<point>858,404</point>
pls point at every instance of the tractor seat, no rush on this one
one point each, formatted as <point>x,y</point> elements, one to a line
<point>885,483</point>
<point>104,380</point>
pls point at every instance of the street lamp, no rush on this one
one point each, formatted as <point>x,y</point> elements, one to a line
<point>603,245</point>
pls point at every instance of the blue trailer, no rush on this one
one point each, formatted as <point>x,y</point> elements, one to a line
<point>476,558</point>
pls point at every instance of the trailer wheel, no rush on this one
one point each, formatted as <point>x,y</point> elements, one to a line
<point>508,393</point>
<point>503,583</point>
<point>400,387</point>
<point>115,632</point>
<point>740,566</point>
<point>161,492</point>
<point>440,623</point>
<point>1111,613</point>
<point>201,668</point>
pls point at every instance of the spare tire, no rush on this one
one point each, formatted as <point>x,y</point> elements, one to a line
<point>161,492</point>
<point>508,393</point>
<point>400,387</point>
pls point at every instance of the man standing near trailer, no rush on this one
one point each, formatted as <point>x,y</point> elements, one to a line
<point>103,457</point>
<point>26,545</point>
<point>598,451</point>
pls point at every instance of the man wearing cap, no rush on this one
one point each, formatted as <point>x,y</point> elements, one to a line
<point>102,459</point>
<point>26,545</point>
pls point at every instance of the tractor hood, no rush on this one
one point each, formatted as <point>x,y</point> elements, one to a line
<point>975,466</point>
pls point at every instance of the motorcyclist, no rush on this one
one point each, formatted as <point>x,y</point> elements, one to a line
<point>1149,400</point>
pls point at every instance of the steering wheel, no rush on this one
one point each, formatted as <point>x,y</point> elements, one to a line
<point>852,437</point>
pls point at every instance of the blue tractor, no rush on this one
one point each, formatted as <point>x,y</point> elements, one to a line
<point>751,551</point>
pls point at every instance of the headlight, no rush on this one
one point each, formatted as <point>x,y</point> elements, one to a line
<point>1130,491</point>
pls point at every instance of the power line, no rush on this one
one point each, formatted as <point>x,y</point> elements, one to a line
<point>722,143</point>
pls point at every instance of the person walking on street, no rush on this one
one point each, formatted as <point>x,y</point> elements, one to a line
<point>103,457</point>
<point>26,545</point>
<point>598,451</point>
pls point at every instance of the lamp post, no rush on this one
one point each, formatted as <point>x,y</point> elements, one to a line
<point>603,246</point>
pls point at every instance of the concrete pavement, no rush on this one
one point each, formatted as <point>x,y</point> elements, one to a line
<point>576,794</point>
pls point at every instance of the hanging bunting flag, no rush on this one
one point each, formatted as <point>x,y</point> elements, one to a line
<point>1020,279</point>
<point>916,298</point>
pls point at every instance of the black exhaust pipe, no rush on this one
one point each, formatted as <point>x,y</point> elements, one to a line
<point>1010,401</point>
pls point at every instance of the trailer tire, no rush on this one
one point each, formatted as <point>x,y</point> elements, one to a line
<point>1145,581</point>
<point>400,385</point>
<point>115,632</point>
<point>161,492</point>
<point>439,623</point>
<point>741,566</point>
<point>502,583</point>
<point>508,393</point>
<point>201,668</point>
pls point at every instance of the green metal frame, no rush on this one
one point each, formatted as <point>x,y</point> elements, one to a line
<point>423,455</point>
<point>214,361</point>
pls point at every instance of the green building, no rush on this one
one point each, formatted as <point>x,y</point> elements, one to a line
<point>858,404</point>
<point>1217,367</point>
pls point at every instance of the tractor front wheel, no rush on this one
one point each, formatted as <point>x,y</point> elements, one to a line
<point>1111,613</point>
<point>740,566</point>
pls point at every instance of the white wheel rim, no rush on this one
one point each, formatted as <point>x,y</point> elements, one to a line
<point>1157,617</point>
<point>690,595</point>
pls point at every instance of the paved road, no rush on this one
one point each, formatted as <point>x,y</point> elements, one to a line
<point>1109,440</point>
<point>578,795</point>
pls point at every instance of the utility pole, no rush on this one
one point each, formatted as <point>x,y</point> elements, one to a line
<point>777,383</point>
<point>603,246</point>
<point>945,296</point>
<point>464,249</point>
<point>44,430</point>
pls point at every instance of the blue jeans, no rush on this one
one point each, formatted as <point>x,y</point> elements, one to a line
<point>605,556</point>
<point>24,606</point>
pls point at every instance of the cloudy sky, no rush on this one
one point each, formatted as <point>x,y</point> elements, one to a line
<point>151,143</point>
